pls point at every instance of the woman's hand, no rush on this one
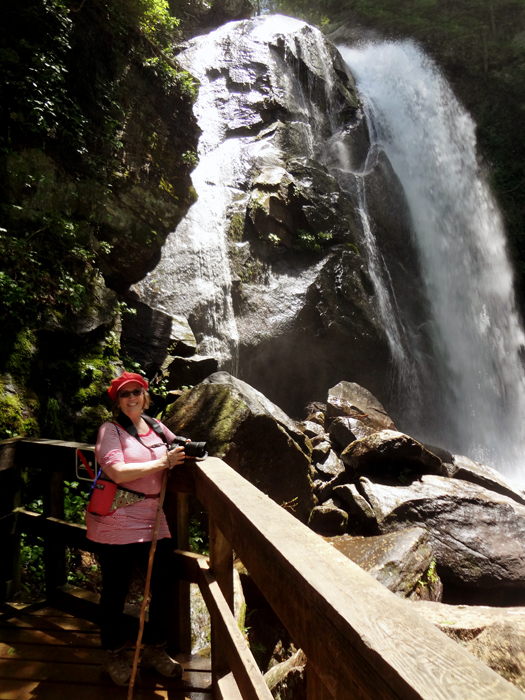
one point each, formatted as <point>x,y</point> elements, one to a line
<point>175,456</point>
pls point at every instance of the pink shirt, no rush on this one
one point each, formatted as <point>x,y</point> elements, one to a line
<point>136,522</point>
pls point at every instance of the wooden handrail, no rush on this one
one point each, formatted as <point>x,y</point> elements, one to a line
<point>360,639</point>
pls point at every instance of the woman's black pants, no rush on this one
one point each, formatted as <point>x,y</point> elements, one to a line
<point>117,562</point>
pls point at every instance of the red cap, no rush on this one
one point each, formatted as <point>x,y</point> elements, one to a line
<point>125,378</point>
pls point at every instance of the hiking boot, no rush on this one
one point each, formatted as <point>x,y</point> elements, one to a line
<point>117,665</point>
<point>156,657</point>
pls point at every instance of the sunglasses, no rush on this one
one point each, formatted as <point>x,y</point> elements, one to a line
<point>135,392</point>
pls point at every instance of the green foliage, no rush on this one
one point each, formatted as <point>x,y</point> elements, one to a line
<point>45,265</point>
<point>14,420</point>
<point>191,158</point>
<point>32,565</point>
<point>199,540</point>
<point>312,242</point>
<point>236,228</point>
<point>75,502</point>
<point>155,18</point>
<point>61,105</point>
<point>32,549</point>
<point>252,271</point>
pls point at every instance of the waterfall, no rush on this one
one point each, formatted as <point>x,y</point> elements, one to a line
<point>476,333</point>
<point>405,376</point>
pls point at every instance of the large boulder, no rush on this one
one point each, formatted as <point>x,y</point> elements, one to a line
<point>253,435</point>
<point>391,454</point>
<point>361,516</point>
<point>468,470</point>
<point>350,399</point>
<point>151,336</point>
<point>478,536</point>
<point>401,561</point>
<point>344,430</point>
<point>328,519</point>
<point>495,636</point>
<point>188,371</point>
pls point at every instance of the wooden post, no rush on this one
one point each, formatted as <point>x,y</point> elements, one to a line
<point>10,489</point>
<point>54,552</point>
<point>176,508</point>
<point>183,542</point>
<point>315,688</point>
<point>221,564</point>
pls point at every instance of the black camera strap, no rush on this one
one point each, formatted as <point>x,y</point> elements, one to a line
<point>128,425</point>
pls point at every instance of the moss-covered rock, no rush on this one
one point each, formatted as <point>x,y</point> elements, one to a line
<point>253,435</point>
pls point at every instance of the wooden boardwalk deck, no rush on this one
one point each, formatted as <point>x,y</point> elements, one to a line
<point>46,654</point>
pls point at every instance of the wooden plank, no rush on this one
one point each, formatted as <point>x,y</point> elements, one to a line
<point>362,640</point>
<point>180,479</point>
<point>188,564</point>
<point>248,676</point>
<point>70,534</point>
<point>54,550</point>
<point>10,497</point>
<point>49,623</point>
<point>31,448</point>
<point>183,543</point>
<point>227,688</point>
<point>29,690</point>
<point>221,563</point>
<point>13,636</point>
<point>92,674</point>
<point>51,653</point>
<point>192,663</point>
<point>8,452</point>
<point>315,688</point>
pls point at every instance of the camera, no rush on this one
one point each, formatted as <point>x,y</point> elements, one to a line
<point>196,450</point>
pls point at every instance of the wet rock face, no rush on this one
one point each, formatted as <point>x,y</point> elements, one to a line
<point>401,561</point>
<point>151,336</point>
<point>478,535</point>
<point>269,265</point>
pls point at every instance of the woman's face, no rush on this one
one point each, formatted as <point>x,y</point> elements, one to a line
<point>130,404</point>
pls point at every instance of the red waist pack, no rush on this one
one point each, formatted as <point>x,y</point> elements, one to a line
<point>102,492</point>
<point>102,496</point>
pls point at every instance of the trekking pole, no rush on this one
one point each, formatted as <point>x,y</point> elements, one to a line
<point>147,585</point>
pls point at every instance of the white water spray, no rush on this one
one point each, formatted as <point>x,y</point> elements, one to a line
<point>478,338</point>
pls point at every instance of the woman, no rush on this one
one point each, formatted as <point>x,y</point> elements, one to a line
<point>124,536</point>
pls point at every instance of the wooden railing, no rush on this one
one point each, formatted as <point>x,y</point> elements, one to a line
<point>361,641</point>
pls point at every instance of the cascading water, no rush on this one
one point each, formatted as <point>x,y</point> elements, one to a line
<point>405,375</point>
<point>476,334</point>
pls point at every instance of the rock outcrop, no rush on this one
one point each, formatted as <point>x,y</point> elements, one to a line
<point>253,435</point>
<point>269,265</point>
<point>389,454</point>
<point>402,561</point>
<point>478,535</point>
